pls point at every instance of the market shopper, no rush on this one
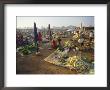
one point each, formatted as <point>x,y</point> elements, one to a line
<point>40,39</point>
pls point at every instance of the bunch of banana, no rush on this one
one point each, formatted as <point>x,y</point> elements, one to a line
<point>72,60</point>
<point>67,43</point>
<point>76,36</point>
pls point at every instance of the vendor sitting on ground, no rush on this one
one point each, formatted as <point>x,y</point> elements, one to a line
<point>59,40</point>
<point>54,44</point>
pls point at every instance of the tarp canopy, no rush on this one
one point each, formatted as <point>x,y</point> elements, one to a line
<point>70,30</point>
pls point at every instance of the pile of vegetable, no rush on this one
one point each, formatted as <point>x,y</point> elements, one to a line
<point>81,65</point>
<point>26,50</point>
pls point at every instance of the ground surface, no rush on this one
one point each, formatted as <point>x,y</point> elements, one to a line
<point>33,64</point>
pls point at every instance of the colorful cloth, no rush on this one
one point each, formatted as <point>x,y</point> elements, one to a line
<point>54,44</point>
<point>39,36</point>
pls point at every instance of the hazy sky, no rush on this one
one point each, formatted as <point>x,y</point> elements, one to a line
<point>54,21</point>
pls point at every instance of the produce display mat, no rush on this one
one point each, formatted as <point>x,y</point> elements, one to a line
<point>55,61</point>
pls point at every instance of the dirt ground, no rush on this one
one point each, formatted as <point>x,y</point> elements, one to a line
<point>33,64</point>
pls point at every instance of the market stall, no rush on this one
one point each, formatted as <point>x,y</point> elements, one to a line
<point>77,54</point>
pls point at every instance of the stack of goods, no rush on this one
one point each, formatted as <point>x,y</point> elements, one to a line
<point>81,64</point>
<point>83,41</point>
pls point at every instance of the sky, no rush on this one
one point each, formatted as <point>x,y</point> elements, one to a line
<point>58,21</point>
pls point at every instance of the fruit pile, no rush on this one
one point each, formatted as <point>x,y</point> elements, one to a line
<point>81,65</point>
